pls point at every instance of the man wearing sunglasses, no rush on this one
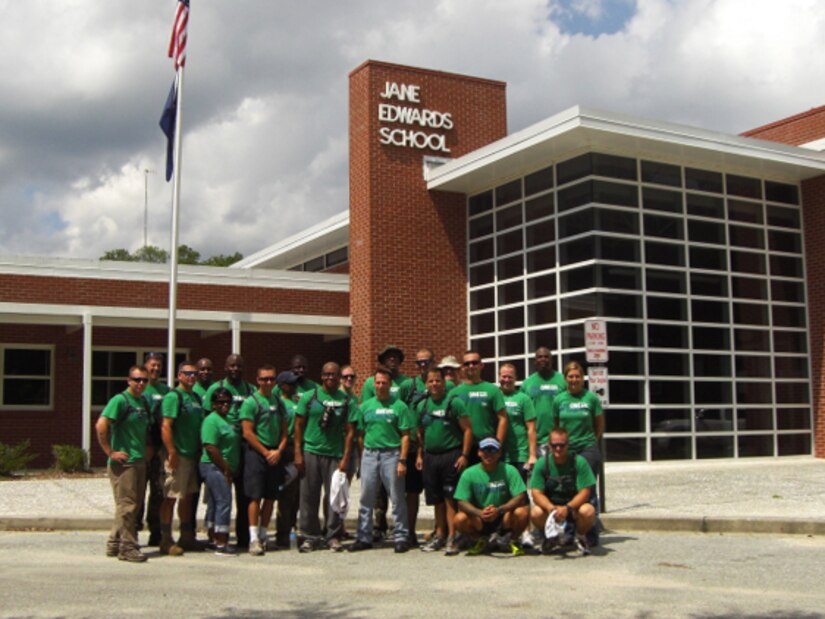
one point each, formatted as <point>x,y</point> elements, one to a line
<point>180,432</point>
<point>483,401</point>
<point>560,486</point>
<point>123,433</point>
<point>154,393</point>
<point>265,431</point>
<point>492,502</point>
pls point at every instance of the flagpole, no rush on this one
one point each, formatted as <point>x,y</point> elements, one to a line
<point>173,253</point>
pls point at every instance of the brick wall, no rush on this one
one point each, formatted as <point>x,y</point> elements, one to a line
<point>407,245</point>
<point>795,130</point>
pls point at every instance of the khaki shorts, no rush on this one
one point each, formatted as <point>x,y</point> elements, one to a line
<point>182,481</point>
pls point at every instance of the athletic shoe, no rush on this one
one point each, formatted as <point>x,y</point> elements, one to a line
<point>583,546</point>
<point>225,551</point>
<point>307,546</point>
<point>255,548</point>
<point>335,545</point>
<point>481,546</point>
<point>452,548</point>
<point>435,543</point>
<point>500,542</point>
<point>112,549</point>
<point>132,555</point>
<point>566,539</point>
<point>526,540</point>
<point>359,545</point>
<point>549,545</point>
<point>593,537</point>
<point>515,550</point>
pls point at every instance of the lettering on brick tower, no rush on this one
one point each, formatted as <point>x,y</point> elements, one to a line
<point>395,108</point>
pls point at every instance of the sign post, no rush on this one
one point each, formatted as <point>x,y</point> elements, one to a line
<point>595,341</point>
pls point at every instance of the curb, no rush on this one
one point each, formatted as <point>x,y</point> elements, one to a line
<point>689,524</point>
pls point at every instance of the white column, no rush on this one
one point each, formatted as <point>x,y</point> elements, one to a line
<point>236,337</point>
<point>86,405</point>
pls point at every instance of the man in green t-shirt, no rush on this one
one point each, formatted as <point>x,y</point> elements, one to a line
<point>483,401</point>
<point>181,430</point>
<point>205,372</point>
<point>123,433</point>
<point>265,431</point>
<point>560,487</point>
<point>384,426</point>
<point>542,387</point>
<point>445,433</point>
<point>324,427</point>
<point>234,382</point>
<point>492,502</point>
<point>299,366</point>
<point>287,508</point>
<point>154,393</point>
<point>520,445</point>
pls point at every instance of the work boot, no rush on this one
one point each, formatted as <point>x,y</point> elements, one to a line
<point>112,548</point>
<point>188,542</point>
<point>168,546</point>
<point>132,555</point>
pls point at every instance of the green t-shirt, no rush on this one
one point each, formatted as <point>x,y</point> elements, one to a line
<point>154,394</point>
<point>482,401</point>
<point>519,411</point>
<point>289,408</point>
<point>481,488</point>
<point>543,392</point>
<point>239,395</point>
<point>420,386</point>
<point>563,481</point>
<point>577,415</point>
<point>219,432</point>
<point>398,389</point>
<point>186,410</point>
<point>201,390</point>
<point>383,422</point>
<point>266,414</point>
<point>129,425</point>
<point>441,428</point>
<point>327,441</point>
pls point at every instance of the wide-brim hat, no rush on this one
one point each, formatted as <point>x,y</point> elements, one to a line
<point>449,362</point>
<point>389,348</point>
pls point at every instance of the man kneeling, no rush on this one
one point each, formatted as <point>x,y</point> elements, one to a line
<point>492,502</point>
<point>561,488</point>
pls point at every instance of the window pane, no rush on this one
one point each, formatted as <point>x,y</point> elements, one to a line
<point>747,236</point>
<point>714,447</point>
<point>670,448</point>
<point>481,299</point>
<point>482,250</point>
<point>794,444</point>
<point>541,259</point>
<point>754,419</point>
<point>541,313</point>
<point>480,203</point>
<point>578,279</point>
<point>666,308</point>
<point>666,336</point>
<point>751,366</point>
<point>709,311</point>
<point>711,338</point>
<point>621,305</point>
<point>712,392</point>
<point>665,227</point>
<point>705,206</point>
<point>625,333</point>
<point>670,420</point>
<point>25,392</point>
<point>482,274</point>
<point>511,344</point>
<point>661,173</point>
<point>711,365</point>
<point>337,256</point>
<point>665,281</point>
<point>754,393</point>
<point>508,192</point>
<point>665,253</point>
<point>791,367</point>
<point>538,181</point>
<point>511,293</point>
<point>581,306</point>
<point>508,217</point>
<point>572,169</point>
<point>481,226</point>
<point>511,267</point>
<point>540,233</point>
<point>708,258</point>
<point>611,248</point>
<point>482,323</point>
<point>739,210</point>
<point>539,207</point>
<point>112,363</point>
<point>714,420</point>
<point>572,336</point>
<point>27,362</point>
<point>542,337</point>
<point>703,180</point>
<point>509,242</point>
<point>755,446</point>
<point>750,288</point>
<point>625,362</point>
<point>787,266</point>
<point>706,232</point>
<point>787,291</point>
<point>790,242</point>
<point>669,392</point>
<point>793,418</point>
<point>486,346</point>
<point>750,314</point>
<point>746,262</point>
<point>626,392</point>
<point>792,393</point>
<point>542,286</point>
<point>615,193</point>
<point>668,364</point>
<point>614,166</point>
<point>752,340</point>
<point>790,341</point>
<point>704,284</point>
<point>744,186</point>
<point>662,200</point>
<point>624,450</point>
<point>783,217</point>
<point>786,316</point>
<point>316,264</point>
<point>781,192</point>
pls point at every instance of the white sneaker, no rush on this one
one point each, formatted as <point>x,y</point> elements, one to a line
<point>583,546</point>
<point>255,548</point>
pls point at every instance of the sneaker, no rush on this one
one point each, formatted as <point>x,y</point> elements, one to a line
<point>112,549</point>
<point>402,546</point>
<point>593,537</point>
<point>359,545</point>
<point>255,548</point>
<point>452,548</point>
<point>500,542</point>
<point>435,543</point>
<point>306,546</point>
<point>582,545</point>
<point>226,551</point>
<point>526,540</point>
<point>481,546</point>
<point>514,550</point>
<point>170,548</point>
<point>132,555</point>
<point>549,545</point>
<point>566,540</point>
<point>335,545</point>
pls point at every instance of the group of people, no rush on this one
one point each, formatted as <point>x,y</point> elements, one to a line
<point>472,447</point>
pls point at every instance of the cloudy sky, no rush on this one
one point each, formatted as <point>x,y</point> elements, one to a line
<point>83,82</point>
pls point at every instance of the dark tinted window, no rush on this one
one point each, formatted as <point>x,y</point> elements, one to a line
<point>508,192</point>
<point>538,181</point>
<point>744,186</point>
<point>705,206</point>
<point>508,217</point>
<point>539,207</point>
<point>781,192</point>
<point>662,200</point>
<point>481,202</point>
<point>665,281</point>
<point>663,226</point>
<point>661,173</point>
<point>703,180</point>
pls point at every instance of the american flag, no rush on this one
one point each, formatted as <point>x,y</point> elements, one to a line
<point>177,44</point>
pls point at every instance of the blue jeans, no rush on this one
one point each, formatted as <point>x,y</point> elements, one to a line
<point>218,497</point>
<point>380,467</point>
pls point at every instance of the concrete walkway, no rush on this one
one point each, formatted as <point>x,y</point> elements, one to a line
<point>785,495</point>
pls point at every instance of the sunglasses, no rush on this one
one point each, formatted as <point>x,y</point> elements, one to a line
<point>329,375</point>
<point>347,376</point>
<point>423,362</point>
<point>469,364</point>
<point>222,402</point>
<point>138,379</point>
<point>558,445</point>
<point>189,372</point>
<point>266,379</point>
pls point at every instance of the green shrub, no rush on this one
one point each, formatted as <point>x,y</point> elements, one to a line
<point>15,457</point>
<point>69,458</point>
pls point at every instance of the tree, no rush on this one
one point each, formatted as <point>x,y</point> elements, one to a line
<point>186,255</point>
<point>121,255</point>
<point>151,253</point>
<point>223,260</point>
